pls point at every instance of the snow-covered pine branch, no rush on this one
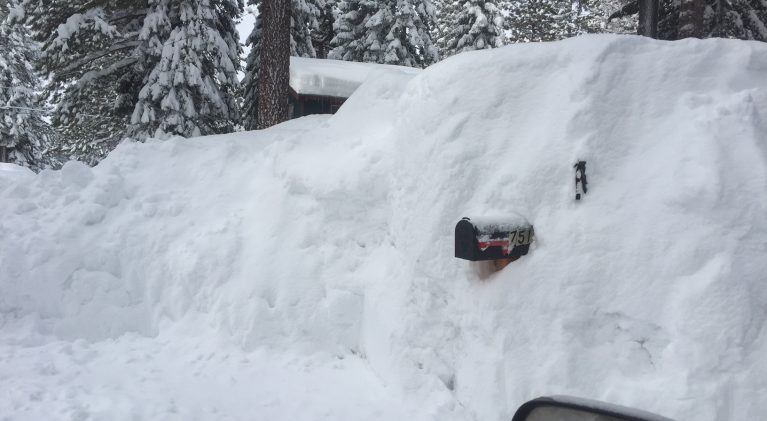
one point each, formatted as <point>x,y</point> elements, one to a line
<point>250,81</point>
<point>24,135</point>
<point>190,89</point>
<point>549,20</point>
<point>386,31</point>
<point>90,51</point>
<point>470,25</point>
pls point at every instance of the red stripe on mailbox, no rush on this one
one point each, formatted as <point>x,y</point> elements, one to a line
<point>503,244</point>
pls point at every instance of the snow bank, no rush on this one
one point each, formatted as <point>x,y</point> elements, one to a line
<point>329,240</point>
<point>12,172</point>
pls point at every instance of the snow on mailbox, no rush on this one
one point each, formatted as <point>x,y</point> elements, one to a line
<point>500,239</point>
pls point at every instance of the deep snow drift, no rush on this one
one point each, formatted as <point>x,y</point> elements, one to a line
<point>306,271</point>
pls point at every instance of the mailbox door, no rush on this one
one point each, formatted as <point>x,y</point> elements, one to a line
<point>466,246</point>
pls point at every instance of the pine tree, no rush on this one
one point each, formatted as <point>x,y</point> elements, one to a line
<point>304,21</point>
<point>24,135</point>
<point>322,37</point>
<point>105,59</point>
<point>442,21</point>
<point>548,20</point>
<point>250,81</point>
<point>386,31</point>
<point>351,41</point>
<point>740,19</point>
<point>190,90</point>
<point>412,44</point>
<point>89,50</point>
<point>471,25</point>
<point>601,16</point>
<point>691,18</point>
<point>305,36</point>
<point>274,66</point>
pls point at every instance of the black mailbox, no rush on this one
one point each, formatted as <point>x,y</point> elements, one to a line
<point>492,238</point>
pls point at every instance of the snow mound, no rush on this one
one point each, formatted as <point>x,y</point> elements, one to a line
<point>331,239</point>
<point>13,172</point>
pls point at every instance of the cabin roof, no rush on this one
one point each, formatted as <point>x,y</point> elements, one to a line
<point>333,78</point>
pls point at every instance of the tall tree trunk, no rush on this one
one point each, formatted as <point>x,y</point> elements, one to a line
<point>274,71</point>
<point>648,18</point>
<point>691,19</point>
<point>719,25</point>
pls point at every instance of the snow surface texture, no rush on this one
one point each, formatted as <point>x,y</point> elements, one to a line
<point>13,172</point>
<point>307,271</point>
<point>337,78</point>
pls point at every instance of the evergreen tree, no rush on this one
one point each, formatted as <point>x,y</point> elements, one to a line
<point>471,25</point>
<point>305,34</point>
<point>600,16</point>
<point>190,89</point>
<point>170,64</point>
<point>250,81</point>
<point>24,136</point>
<point>89,50</point>
<point>443,17</point>
<point>274,66</point>
<point>691,18</point>
<point>385,31</point>
<point>548,20</point>
<point>351,41</point>
<point>740,19</point>
<point>322,37</point>
<point>304,21</point>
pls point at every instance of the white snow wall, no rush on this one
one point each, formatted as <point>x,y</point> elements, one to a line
<point>336,236</point>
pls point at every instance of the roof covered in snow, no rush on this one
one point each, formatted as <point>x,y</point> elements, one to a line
<point>337,78</point>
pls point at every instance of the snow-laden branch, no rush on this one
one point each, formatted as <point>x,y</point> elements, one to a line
<point>79,63</point>
<point>96,74</point>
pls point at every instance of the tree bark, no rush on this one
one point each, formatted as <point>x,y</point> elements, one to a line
<point>691,19</point>
<point>274,69</point>
<point>648,18</point>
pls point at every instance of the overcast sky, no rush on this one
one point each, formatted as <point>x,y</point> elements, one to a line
<point>244,28</point>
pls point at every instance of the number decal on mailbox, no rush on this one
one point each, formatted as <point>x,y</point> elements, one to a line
<point>522,237</point>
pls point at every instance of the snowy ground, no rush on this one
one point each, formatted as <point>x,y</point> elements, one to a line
<point>175,378</point>
<point>306,271</point>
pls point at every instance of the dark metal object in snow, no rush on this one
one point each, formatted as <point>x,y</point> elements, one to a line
<point>581,185</point>
<point>568,408</point>
<point>492,239</point>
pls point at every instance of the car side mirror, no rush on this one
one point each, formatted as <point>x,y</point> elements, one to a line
<point>566,408</point>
